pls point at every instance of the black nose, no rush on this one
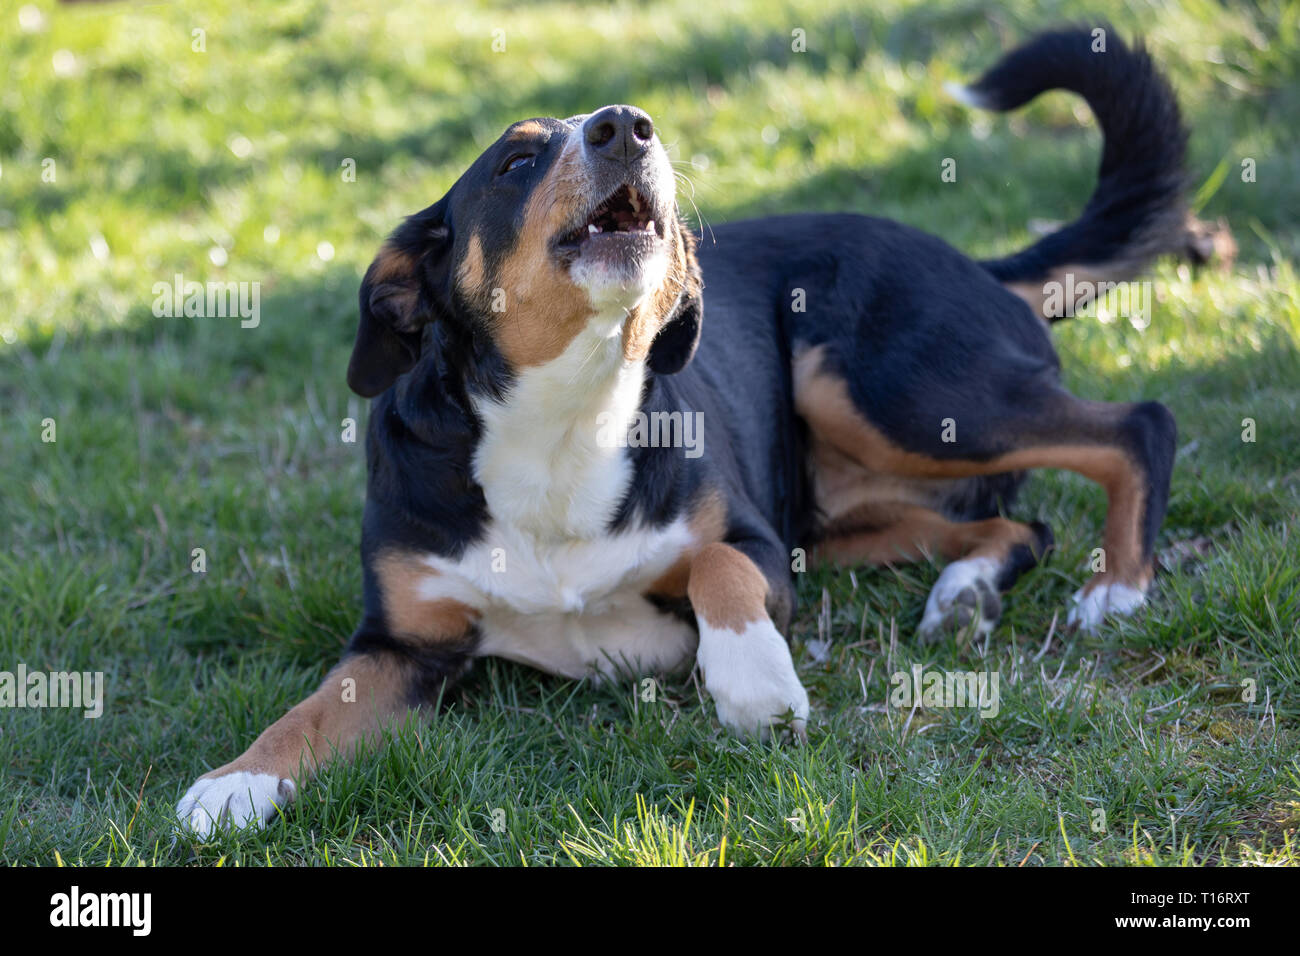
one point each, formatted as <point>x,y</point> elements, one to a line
<point>620,133</point>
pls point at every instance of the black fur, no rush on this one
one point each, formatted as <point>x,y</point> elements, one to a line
<point>1136,211</point>
<point>1024,556</point>
<point>1151,435</point>
<point>429,668</point>
<point>675,345</point>
<point>393,313</point>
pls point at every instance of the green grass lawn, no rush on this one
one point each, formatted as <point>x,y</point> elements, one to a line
<point>176,434</point>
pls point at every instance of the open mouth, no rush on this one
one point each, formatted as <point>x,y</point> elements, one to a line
<point>624,216</point>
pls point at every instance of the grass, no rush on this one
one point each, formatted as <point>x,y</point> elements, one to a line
<point>175,434</point>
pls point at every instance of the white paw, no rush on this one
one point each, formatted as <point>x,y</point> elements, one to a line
<point>751,677</point>
<point>966,592</point>
<point>235,800</point>
<point>1090,608</point>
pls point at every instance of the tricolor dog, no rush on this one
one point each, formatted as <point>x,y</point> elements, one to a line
<point>520,335</point>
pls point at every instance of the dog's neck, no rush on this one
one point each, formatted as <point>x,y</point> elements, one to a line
<point>545,460</point>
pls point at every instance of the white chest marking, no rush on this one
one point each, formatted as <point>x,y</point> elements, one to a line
<point>540,462</point>
<point>515,570</point>
<point>553,587</point>
<point>569,607</point>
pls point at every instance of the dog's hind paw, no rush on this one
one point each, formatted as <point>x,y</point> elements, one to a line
<point>966,594</point>
<point>1092,606</point>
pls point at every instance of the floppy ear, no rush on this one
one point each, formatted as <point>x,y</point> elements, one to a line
<point>674,346</point>
<point>396,302</point>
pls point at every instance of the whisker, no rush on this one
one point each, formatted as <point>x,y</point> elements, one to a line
<point>704,223</point>
<point>583,363</point>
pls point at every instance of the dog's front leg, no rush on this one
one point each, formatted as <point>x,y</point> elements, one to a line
<point>378,684</point>
<point>745,659</point>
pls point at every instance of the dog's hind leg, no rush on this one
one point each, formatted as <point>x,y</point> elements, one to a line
<point>985,557</point>
<point>999,424</point>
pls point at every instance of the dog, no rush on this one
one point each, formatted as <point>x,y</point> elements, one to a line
<point>864,394</point>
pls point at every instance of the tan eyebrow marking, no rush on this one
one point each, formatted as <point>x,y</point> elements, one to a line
<point>526,130</point>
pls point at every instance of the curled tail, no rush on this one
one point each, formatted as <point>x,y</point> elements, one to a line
<point>1136,211</point>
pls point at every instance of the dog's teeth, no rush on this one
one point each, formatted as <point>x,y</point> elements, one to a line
<point>592,228</point>
<point>636,200</point>
<point>650,226</point>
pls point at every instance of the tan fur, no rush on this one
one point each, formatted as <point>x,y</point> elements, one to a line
<point>544,310</point>
<point>841,484</point>
<point>408,614</point>
<point>397,268</point>
<point>340,718</point>
<point>471,274</point>
<point>889,531</point>
<point>391,264</point>
<point>823,401</point>
<point>645,321</point>
<point>1035,293</point>
<point>726,588</point>
<point>708,523</point>
<point>528,129</point>
<point>325,724</point>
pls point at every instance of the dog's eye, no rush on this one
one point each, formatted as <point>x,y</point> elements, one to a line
<point>515,162</point>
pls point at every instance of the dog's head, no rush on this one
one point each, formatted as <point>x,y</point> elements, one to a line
<point>558,224</point>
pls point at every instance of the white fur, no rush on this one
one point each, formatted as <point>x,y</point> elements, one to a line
<point>541,466</point>
<point>965,95</point>
<point>627,636</point>
<point>554,589</point>
<point>233,800</point>
<point>954,579</point>
<point>569,597</point>
<point>751,677</point>
<point>531,573</point>
<point>612,289</point>
<point>571,607</point>
<point>1090,609</point>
